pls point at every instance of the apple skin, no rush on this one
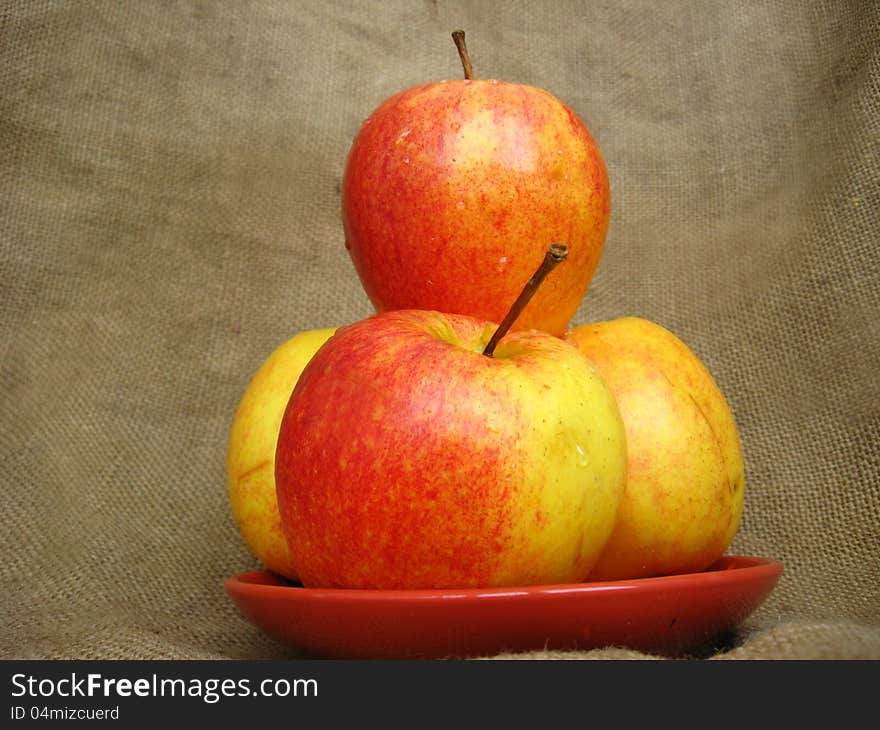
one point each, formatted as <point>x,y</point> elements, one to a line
<point>685,475</point>
<point>250,453</point>
<point>453,190</point>
<point>408,459</point>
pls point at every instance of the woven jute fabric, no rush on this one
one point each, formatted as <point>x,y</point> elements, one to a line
<point>170,213</point>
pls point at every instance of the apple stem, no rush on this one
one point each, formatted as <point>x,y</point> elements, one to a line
<point>556,254</point>
<point>458,37</point>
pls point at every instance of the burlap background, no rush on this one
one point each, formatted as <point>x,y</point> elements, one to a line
<point>169,213</point>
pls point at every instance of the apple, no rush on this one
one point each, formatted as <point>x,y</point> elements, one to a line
<point>451,188</point>
<point>422,449</point>
<point>685,476</point>
<point>250,453</point>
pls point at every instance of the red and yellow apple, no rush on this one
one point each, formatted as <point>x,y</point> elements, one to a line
<point>408,458</point>
<point>685,476</point>
<point>250,453</point>
<point>453,189</point>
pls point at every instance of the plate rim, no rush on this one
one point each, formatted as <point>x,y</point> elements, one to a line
<point>743,566</point>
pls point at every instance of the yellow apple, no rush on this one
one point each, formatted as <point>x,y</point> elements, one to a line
<point>685,478</point>
<point>250,455</point>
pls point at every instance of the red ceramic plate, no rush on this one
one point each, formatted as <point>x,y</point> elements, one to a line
<point>670,615</point>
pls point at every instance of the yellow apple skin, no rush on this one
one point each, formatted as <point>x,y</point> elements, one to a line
<point>685,486</point>
<point>250,455</point>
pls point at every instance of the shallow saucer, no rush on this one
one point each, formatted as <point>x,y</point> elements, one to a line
<point>669,615</point>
